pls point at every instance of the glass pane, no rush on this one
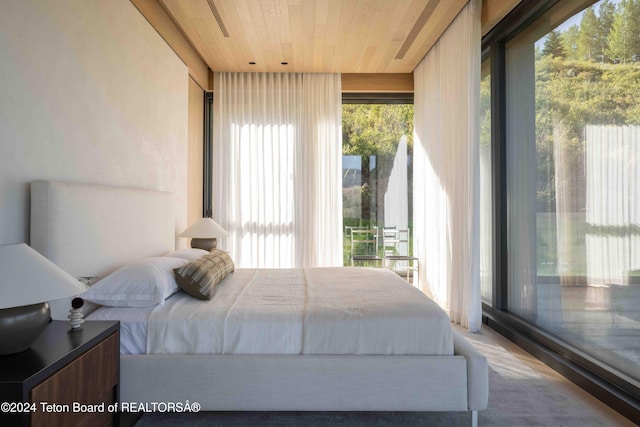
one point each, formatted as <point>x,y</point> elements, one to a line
<point>573,158</point>
<point>377,179</point>
<point>486,208</point>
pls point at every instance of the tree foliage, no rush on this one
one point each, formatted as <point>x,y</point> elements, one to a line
<point>624,39</point>
<point>485,113</point>
<point>607,33</point>
<point>375,129</point>
<point>570,41</point>
<point>589,47</point>
<point>569,96</point>
<point>588,91</point>
<point>573,94</point>
<point>606,15</point>
<point>597,82</point>
<point>553,46</point>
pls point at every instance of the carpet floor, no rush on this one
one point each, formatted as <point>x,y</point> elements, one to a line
<point>518,396</point>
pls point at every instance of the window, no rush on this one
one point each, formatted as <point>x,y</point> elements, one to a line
<point>486,200</point>
<point>573,178</point>
<point>565,155</point>
<point>377,171</point>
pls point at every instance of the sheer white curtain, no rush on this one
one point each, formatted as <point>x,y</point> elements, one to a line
<point>446,169</point>
<point>612,207</point>
<point>277,168</point>
<point>321,170</point>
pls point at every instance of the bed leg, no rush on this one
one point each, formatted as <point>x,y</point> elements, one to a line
<point>474,418</point>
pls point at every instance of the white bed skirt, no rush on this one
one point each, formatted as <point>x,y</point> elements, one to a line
<point>310,383</point>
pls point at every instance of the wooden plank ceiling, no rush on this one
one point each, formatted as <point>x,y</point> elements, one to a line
<point>339,36</point>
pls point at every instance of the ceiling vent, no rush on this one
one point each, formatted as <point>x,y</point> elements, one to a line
<point>417,27</point>
<point>214,10</point>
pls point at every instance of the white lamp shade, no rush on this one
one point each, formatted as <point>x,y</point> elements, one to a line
<point>26,278</point>
<point>204,228</point>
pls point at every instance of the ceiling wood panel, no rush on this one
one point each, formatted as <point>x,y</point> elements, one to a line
<point>346,36</point>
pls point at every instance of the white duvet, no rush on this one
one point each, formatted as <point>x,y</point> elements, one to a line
<point>303,311</point>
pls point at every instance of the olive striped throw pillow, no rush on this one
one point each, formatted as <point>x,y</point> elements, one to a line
<point>198,278</point>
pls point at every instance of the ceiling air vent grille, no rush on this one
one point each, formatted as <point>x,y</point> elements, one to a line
<point>216,14</point>
<point>417,27</point>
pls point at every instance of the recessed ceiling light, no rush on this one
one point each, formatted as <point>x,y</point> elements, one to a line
<point>252,63</point>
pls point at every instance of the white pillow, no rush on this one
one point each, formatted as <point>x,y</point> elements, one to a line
<point>142,283</point>
<point>190,254</point>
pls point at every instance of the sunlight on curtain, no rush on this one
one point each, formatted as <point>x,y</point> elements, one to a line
<point>274,157</point>
<point>446,169</point>
<point>321,170</point>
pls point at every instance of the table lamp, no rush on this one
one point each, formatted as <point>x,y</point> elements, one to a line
<point>27,281</point>
<point>204,233</point>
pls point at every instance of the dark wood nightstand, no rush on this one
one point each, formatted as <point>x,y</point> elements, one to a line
<point>61,368</point>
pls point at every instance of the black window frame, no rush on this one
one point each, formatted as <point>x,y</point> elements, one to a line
<point>207,166</point>
<point>377,98</point>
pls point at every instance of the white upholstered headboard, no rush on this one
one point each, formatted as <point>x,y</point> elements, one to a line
<point>90,230</point>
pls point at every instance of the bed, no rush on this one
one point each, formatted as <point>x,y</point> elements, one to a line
<point>91,230</point>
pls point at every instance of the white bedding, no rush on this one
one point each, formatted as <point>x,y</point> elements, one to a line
<point>133,326</point>
<point>303,311</point>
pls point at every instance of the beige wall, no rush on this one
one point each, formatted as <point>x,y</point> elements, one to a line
<point>160,19</point>
<point>89,92</point>
<point>195,151</point>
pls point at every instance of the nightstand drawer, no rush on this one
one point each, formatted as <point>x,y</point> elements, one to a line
<point>90,379</point>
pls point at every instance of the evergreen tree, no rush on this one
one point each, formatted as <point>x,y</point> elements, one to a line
<point>553,45</point>
<point>570,41</point>
<point>606,13</point>
<point>624,38</point>
<point>588,45</point>
<point>634,26</point>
